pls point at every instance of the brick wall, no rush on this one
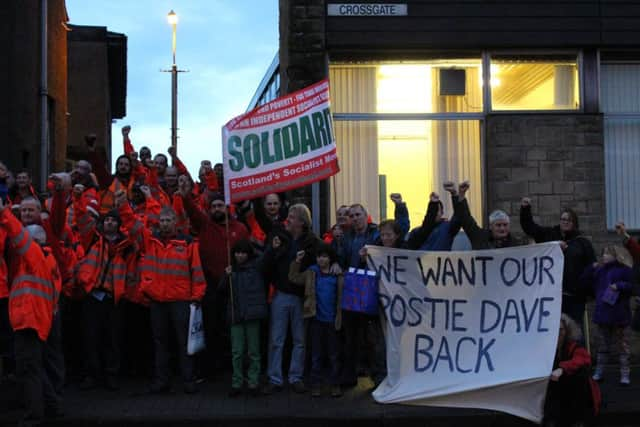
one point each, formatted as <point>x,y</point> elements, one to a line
<point>555,159</point>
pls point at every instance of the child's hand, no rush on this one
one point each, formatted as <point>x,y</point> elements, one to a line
<point>300,256</point>
<point>228,269</point>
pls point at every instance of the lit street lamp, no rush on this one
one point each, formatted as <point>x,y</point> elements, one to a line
<point>173,21</point>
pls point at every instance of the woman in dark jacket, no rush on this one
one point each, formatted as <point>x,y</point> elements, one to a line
<point>578,254</point>
<point>244,285</point>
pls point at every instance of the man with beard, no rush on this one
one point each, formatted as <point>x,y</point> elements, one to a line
<point>22,188</point>
<point>216,233</point>
<point>108,184</point>
<point>102,276</point>
<point>171,276</point>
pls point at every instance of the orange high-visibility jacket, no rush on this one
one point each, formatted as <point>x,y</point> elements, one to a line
<point>104,267</point>
<point>4,272</point>
<point>35,280</point>
<point>107,196</point>
<point>170,270</point>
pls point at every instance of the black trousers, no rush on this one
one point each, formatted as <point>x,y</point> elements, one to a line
<point>6,339</point>
<point>170,318</point>
<point>362,336</point>
<point>137,352</point>
<point>40,370</point>
<point>103,334</point>
<point>567,400</point>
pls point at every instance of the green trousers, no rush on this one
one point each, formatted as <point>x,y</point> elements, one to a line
<point>248,331</point>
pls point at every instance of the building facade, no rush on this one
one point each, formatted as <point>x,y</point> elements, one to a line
<point>23,129</point>
<point>522,98</point>
<point>97,86</point>
<point>83,90</point>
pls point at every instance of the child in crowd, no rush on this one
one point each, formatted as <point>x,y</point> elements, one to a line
<point>610,279</point>
<point>322,297</point>
<point>247,305</point>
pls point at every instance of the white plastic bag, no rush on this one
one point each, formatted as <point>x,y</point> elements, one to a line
<point>195,341</point>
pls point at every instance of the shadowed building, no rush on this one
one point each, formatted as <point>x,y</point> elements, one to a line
<point>97,86</point>
<point>535,99</point>
<point>83,89</point>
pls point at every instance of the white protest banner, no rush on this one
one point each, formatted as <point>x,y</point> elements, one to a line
<point>471,329</point>
<point>284,144</point>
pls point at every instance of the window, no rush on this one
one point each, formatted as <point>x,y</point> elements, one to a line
<point>407,128</point>
<point>534,83</point>
<point>620,103</point>
<point>412,157</point>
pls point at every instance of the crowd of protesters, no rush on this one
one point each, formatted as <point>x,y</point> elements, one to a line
<point>97,279</point>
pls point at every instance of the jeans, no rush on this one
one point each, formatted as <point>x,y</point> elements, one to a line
<point>286,310</point>
<point>249,332</point>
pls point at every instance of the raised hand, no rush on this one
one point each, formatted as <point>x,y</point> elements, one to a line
<point>146,191</point>
<point>450,187</point>
<point>125,130</point>
<point>525,202</point>
<point>396,198</point>
<point>462,188</point>
<point>120,198</point>
<point>434,197</point>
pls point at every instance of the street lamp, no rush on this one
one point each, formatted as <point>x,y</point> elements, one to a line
<point>173,21</point>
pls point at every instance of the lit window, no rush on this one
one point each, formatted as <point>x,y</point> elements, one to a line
<point>412,157</point>
<point>534,83</point>
<point>436,86</point>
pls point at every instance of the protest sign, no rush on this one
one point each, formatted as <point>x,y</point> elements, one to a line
<point>470,329</point>
<point>284,144</point>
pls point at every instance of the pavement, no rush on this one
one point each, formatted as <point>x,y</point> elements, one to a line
<point>211,406</point>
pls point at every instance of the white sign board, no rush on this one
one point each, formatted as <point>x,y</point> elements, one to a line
<point>366,9</point>
<point>472,329</point>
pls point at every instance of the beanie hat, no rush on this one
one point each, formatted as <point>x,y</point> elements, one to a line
<point>216,196</point>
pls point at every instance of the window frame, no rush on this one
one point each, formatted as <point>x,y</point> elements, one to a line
<point>486,73</point>
<point>613,116</point>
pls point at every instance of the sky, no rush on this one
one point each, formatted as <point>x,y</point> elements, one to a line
<point>225,45</point>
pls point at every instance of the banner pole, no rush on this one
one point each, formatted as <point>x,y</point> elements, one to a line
<point>230,263</point>
<point>335,197</point>
<point>587,337</point>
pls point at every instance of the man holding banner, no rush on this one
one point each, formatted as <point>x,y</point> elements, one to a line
<point>282,145</point>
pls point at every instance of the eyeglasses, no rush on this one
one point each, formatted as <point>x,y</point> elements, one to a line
<point>565,219</point>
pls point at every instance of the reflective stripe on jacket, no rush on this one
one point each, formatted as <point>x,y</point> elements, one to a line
<point>35,280</point>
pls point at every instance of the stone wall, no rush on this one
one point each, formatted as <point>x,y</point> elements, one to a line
<point>555,159</point>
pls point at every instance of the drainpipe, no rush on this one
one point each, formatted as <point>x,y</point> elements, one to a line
<point>44,99</point>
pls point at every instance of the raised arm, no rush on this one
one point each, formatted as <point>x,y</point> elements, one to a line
<point>401,213</point>
<point>539,233</point>
<point>197,218</point>
<point>420,235</point>
<point>461,209</point>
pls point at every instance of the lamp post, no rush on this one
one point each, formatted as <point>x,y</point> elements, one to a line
<point>173,21</point>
